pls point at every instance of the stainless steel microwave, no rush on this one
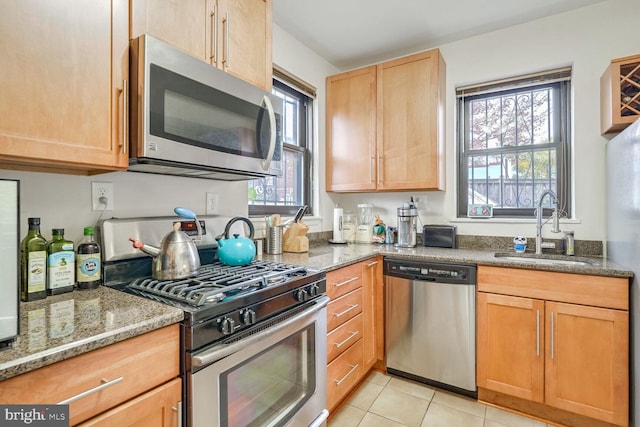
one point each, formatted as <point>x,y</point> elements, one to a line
<point>189,118</point>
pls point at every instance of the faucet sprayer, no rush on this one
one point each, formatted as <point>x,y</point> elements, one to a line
<point>555,224</point>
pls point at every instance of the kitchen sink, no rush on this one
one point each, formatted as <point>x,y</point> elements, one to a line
<point>537,259</point>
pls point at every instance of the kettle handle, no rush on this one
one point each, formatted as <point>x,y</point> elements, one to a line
<point>189,214</point>
<point>239,218</point>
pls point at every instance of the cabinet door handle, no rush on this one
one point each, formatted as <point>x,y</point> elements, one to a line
<point>178,412</point>
<point>552,337</point>
<point>537,332</point>
<point>225,60</point>
<point>371,169</point>
<point>341,380</point>
<point>105,383</point>
<point>125,116</point>
<point>340,344</point>
<point>341,284</point>
<point>213,51</point>
<point>379,170</point>
<point>351,307</point>
<point>371,264</point>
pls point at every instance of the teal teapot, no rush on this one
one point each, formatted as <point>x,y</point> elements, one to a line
<point>236,250</point>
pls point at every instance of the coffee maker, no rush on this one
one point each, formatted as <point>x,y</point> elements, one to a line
<point>407,226</point>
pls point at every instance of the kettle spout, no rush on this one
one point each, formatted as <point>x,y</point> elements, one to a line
<point>147,249</point>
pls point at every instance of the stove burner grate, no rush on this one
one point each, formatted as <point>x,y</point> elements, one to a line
<point>215,282</point>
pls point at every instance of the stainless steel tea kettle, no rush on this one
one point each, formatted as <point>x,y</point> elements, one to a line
<point>177,257</point>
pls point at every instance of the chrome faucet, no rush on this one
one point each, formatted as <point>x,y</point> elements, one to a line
<point>556,222</point>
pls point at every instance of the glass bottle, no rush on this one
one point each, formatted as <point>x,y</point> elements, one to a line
<point>33,263</point>
<point>88,261</point>
<point>60,264</point>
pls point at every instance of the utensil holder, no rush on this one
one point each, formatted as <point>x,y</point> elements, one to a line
<point>274,240</point>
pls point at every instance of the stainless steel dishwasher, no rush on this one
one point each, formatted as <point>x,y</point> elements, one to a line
<point>430,326</point>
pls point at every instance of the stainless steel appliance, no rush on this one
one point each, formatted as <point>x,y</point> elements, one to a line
<point>253,337</point>
<point>9,261</point>
<point>623,231</point>
<point>191,119</point>
<point>430,329</point>
<point>407,226</point>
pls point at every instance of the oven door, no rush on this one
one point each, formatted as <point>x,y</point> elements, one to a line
<point>272,377</point>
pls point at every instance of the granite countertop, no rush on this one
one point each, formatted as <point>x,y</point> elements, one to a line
<point>66,325</point>
<point>330,257</point>
<point>63,326</point>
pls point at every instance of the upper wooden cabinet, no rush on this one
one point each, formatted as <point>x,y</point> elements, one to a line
<point>620,94</point>
<point>233,35</point>
<point>385,126</point>
<point>64,66</point>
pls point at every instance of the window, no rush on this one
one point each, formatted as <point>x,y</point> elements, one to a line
<point>286,193</point>
<point>513,144</point>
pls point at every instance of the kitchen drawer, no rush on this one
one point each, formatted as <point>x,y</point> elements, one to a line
<point>599,291</point>
<point>343,337</point>
<point>343,374</point>
<point>134,366</point>
<point>344,280</point>
<point>344,308</point>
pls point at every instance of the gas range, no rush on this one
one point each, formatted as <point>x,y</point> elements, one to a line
<point>220,300</point>
<point>253,338</point>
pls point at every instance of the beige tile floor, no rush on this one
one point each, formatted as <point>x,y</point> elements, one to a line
<point>389,401</point>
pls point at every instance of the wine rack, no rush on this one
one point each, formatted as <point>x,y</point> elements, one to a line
<point>620,94</point>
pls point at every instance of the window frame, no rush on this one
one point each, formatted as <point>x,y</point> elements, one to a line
<point>305,120</point>
<point>563,146</point>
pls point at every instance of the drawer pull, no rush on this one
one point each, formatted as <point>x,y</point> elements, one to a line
<point>371,264</point>
<point>105,383</point>
<point>340,344</point>
<point>351,307</point>
<point>338,285</point>
<point>341,380</point>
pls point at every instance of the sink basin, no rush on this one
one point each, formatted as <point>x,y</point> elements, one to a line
<point>540,260</point>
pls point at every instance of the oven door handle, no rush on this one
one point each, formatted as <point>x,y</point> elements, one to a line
<point>220,351</point>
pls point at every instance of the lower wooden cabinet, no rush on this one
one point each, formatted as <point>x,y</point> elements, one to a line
<point>133,368</point>
<point>353,332</point>
<point>156,408</point>
<point>561,361</point>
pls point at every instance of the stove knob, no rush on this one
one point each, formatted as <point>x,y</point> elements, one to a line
<point>248,317</point>
<point>300,295</point>
<point>313,290</point>
<point>227,325</point>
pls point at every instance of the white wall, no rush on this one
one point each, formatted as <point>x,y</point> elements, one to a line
<point>64,201</point>
<point>587,39</point>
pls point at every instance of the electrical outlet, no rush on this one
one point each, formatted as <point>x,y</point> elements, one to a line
<point>212,204</point>
<point>101,196</point>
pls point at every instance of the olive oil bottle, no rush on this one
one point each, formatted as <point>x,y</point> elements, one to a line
<point>88,261</point>
<point>33,263</point>
<point>60,264</point>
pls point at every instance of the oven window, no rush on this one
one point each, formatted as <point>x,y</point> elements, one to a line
<point>271,386</point>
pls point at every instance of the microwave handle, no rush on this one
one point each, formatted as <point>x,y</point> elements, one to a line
<point>272,140</point>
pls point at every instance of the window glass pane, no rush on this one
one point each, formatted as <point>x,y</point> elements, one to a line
<point>512,143</point>
<point>284,194</point>
<point>286,190</point>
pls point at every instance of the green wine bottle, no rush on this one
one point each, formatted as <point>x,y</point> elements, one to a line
<point>88,261</point>
<point>33,262</point>
<point>60,264</point>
